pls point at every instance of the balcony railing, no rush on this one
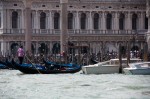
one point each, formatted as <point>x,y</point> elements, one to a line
<point>135,1</point>
<point>73,32</point>
<point>12,31</point>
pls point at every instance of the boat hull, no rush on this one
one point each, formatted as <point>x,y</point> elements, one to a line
<point>100,69</point>
<point>135,71</point>
<point>42,69</point>
<point>106,67</point>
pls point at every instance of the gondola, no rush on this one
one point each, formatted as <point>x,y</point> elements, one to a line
<point>49,63</point>
<point>41,69</point>
<point>7,64</point>
<point>3,65</point>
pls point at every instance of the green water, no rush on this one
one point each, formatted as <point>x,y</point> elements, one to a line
<point>15,85</point>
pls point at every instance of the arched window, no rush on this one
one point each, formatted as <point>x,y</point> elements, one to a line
<point>134,21</point>
<point>70,21</point>
<point>43,20</point>
<point>83,21</point>
<point>56,20</point>
<point>96,21</point>
<point>14,19</point>
<point>109,21</point>
<point>146,22</point>
<point>121,21</point>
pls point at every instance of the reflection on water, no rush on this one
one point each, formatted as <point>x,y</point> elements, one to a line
<point>146,93</point>
<point>15,85</point>
<point>85,85</point>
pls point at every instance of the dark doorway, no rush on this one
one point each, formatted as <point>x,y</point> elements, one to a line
<point>135,48</point>
<point>14,48</point>
<point>56,48</point>
<point>71,48</point>
<point>43,48</point>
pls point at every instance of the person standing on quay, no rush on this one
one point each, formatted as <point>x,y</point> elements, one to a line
<point>20,54</point>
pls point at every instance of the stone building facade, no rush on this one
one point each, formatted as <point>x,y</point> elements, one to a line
<point>94,25</point>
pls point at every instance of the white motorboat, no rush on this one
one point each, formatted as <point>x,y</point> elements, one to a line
<point>107,67</point>
<point>141,68</point>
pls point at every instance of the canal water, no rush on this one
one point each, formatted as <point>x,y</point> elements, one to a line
<point>15,85</point>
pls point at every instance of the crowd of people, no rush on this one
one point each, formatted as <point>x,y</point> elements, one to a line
<point>82,58</point>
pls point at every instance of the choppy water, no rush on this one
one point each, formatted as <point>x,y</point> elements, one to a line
<point>15,85</point>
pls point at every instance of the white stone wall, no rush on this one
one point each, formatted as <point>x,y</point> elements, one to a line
<point>77,8</point>
<point>89,7</point>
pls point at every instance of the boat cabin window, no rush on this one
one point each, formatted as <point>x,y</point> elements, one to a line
<point>124,61</point>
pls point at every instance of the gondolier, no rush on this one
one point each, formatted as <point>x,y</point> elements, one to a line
<point>20,54</point>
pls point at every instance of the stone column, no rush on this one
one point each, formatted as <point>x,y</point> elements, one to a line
<point>3,18</point>
<point>148,15</point>
<point>103,21</point>
<point>3,26</point>
<point>141,21</point>
<point>116,21</point>
<point>22,19</point>
<point>90,21</point>
<point>32,19</point>
<point>113,25</point>
<point>8,19</point>
<point>77,21</point>
<point>28,32</point>
<point>36,22</point>
<point>3,47</point>
<point>64,25</point>
<point>128,22</point>
<point>50,20</point>
<point>47,20</point>
<point>19,19</point>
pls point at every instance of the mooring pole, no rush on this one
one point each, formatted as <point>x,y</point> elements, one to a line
<point>128,53</point>
<point>145,52</point>
<point>120,58</point>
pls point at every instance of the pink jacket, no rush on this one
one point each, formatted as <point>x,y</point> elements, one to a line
<point>20,52</point>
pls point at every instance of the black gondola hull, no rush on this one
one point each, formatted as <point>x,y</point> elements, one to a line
<point>35,70</point>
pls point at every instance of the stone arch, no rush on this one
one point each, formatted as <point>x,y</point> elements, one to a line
<point>56,48</point>
<point>14,47</point>
<point>43,48</point>
<point>84,49</point>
